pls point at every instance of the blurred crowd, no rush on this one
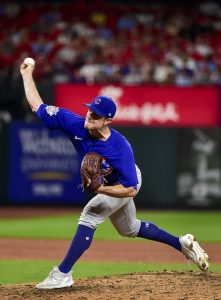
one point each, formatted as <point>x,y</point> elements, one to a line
<point>99,42</point>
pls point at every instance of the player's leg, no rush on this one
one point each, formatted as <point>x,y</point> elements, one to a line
<point>126,223</point>
<point>95,212</point>
<point>61,276</point>
<point>89,219</point>
<point>124,220</point>
<point>186,244</point>
<point>152,232</point>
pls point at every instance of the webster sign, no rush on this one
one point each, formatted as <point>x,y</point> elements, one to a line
<point>47,170</point>
<point>148,105</point>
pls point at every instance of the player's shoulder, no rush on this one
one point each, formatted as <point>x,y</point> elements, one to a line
<point>52,110</point>
<point>119,140</point>
<point>70,114</point>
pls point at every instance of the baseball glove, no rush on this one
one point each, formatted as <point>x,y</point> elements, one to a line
<point>91,171</point>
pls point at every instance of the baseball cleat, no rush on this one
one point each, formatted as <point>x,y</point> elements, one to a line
<point>192,250</point>
<point>56,280</point>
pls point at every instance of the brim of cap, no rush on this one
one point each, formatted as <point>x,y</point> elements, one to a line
<point>88,105</point>
<point>94,110</point>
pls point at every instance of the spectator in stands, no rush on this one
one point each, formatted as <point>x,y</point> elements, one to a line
<point>110,43</point>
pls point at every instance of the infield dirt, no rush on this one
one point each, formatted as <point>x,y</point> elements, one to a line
<point>148,286</point>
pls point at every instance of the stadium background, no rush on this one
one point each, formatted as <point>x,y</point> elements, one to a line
<point>161,63</point>
<point>162,68</point>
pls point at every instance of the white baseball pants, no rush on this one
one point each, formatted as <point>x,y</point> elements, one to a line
<point>121,211</point>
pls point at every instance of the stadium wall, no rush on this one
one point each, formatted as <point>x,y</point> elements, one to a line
<point>180,165</point>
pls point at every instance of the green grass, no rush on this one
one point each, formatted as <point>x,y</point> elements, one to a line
<point>28,271</point>
<point>205,225</point>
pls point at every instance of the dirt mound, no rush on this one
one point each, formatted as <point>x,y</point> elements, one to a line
<point>152,285</point>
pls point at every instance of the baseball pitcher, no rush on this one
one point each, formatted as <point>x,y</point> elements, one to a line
<point>108,169</point>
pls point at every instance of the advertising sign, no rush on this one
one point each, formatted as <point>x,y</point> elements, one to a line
<point>148,105</point>
<point>43,166</point>
<point>199,168</point>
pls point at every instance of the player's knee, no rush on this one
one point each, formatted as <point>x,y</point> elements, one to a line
<point>88,224</point>
<point>131,231</point>
<point>130,234</point>
<point>87,219</point>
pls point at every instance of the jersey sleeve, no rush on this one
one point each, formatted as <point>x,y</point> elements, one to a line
<point>58,118</point>
<point>125,165</point>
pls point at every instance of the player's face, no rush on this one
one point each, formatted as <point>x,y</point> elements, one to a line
<point>94,121</point>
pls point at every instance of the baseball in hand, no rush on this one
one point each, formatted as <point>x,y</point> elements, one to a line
<point>29,61</point>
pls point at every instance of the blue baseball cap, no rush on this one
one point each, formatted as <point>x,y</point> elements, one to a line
<point>103,106</point>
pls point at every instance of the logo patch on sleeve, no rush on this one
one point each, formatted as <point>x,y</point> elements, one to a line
<point>106,167</point>
<point>52,110</point>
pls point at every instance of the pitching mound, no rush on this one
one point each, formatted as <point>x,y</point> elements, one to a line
<point>154,285</point>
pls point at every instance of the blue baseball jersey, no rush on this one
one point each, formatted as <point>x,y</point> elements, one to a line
<point>116,149</point>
